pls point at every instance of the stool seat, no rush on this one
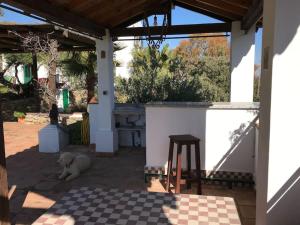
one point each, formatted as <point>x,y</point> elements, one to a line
<point>184,138</point>
<point>180,140</point>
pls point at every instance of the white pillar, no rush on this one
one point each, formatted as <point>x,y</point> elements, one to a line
<point>106,135</point>
<point>242,63</point>
<point>278,190</point>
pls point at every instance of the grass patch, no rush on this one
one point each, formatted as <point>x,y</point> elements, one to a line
<point>4,89</point>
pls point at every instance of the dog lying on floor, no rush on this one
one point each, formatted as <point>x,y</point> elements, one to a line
<point>73,165</point>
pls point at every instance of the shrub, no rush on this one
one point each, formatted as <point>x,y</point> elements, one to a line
<point>19,114</point>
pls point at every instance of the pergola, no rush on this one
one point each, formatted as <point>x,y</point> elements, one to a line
<point>67,40</point>
<point>279,171</point>
<point>93,17</point>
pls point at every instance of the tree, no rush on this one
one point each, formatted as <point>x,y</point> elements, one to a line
<point>83,65</point>
<point>257,75</point>
<point>205,61</point>
<point>15,60</point>
<point>197,70</point>
<point>47,48</point>
<point>149,74</point>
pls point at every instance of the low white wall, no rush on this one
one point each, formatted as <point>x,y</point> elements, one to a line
<point>52,139</point>
<point>227,138</point>
<point>124,116</point>
<point>93,113</point>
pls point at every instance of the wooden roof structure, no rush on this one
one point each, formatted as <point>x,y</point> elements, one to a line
<point>67,40</point>
<point>94,16</point>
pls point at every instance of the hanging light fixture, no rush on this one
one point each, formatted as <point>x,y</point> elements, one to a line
<point>155,21</point>
<point>155,41</point>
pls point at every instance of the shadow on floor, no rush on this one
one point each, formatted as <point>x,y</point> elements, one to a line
<point>37,187</point>
<point>34,176</point>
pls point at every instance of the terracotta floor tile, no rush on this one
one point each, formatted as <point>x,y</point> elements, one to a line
<point>35,176</point>
<point>247,212</point>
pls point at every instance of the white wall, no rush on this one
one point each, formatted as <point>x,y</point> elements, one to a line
<point>122,111</point>
<point>227,142</point>
<point>242,63</point>
<point>106,134</point>
<point>42,72</point>
<point>125,134</point>
<point>124,56</point>
<point>93,114</point>
<point>278,191</point>
<point>52,139</point>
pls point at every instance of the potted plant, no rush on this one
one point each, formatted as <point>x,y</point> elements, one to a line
<point>20,116</point>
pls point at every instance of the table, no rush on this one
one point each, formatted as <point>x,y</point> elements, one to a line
<point>112,206</point>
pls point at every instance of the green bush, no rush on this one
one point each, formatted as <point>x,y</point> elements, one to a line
<point>19,114</point>
<point>75,133</point>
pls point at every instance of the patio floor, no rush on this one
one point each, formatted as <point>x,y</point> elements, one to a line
<point>35,188</point>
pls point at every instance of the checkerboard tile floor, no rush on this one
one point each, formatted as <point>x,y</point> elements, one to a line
<point>99,206</point>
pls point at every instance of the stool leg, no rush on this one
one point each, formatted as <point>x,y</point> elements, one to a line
<point>198,167</point>
<point>188,158</point>
<point>178,168</point>
<point>170,160</point>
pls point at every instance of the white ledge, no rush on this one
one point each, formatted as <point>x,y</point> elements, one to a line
<point>207,105</point>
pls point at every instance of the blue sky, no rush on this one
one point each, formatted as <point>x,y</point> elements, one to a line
<point>179,16</point>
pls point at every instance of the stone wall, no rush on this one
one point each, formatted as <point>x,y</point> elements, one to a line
<point>43,118</point>
<point>23,105</point>
<point>37,118</point>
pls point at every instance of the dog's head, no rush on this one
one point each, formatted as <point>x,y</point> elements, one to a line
<point>65,159</point>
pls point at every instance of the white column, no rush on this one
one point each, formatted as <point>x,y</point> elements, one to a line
<point>106,135</point>
<point>242,63</point>
<point>278,190</point>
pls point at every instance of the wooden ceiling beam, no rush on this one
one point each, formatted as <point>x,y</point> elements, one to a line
<point>58,15</point>
<point>115,13</point>
<point>67,40</point>
<point>198,10</point>
<point>245,4</point>
<point>231,8</point>
<point>22,28</point>
<point>9,50</point>
<point>140,17</point>
<point>130,21</point>
<point>253,15</point>
<point>212,9</point>
<point>173,30</point>
<point>114,7</point>
<point>44,29</point>
<point>152,7</point>
<point>9,45</point>
<point>7,41</point>
<point>60,49</point>
<point>84,6</point>
<point>75,37</point>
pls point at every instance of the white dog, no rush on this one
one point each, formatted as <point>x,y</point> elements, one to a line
<point>73,165</point>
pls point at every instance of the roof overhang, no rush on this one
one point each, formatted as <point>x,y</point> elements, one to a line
<point>94,16</point>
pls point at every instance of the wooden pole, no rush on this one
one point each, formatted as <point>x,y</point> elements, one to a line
<point>173,30</point>
<point>4,203</point>
<point>52,71</point>
<point>34,67</point>
<point>35,80</point>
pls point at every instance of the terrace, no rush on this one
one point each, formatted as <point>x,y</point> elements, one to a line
<point>231,143</point>
<point>32,195</point>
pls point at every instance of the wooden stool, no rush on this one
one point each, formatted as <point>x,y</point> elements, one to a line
<point>181,140</point>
